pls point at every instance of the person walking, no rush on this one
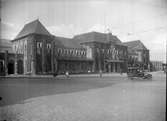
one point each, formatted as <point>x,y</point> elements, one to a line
<point>67,74</point>
<point>100,72</point>
<point>121,71</point>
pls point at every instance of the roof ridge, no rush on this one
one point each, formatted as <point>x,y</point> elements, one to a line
<point>36,27</point>
<point>33,27</point>
<point>132,41</point>
<point>90,32</point>
<point>137,44</point>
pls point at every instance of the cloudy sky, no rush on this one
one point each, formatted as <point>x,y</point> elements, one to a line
<point>144,20</point>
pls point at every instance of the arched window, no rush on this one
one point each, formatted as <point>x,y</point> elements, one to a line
<point>14,48</point>
<point>39,46</point>
<point>108,51</point>
<point>76,51</point>
<point>70,51</point>
<point>48,46</point>
<point>59,50</point>
<point>64,51</point>
<point>25,46</point>
<point>82,52</point>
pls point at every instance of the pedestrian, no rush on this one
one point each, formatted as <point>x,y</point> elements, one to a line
<point>55,74</point>
<point>100,72</point>
<point>121,71</point>
<point>67,74</point>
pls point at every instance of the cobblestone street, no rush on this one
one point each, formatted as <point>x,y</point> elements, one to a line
<point>84,98</point>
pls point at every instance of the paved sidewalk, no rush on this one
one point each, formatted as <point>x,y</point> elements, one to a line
<point>128,101</point>
<point>94,75</point>
<point>71,75</point>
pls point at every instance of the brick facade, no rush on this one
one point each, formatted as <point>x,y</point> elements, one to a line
<point>36,51</point>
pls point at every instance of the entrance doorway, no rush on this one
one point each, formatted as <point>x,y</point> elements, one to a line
<point>109,67</point>
<point>20,66</point>
<point>11,67</point>
<point>2,69</point>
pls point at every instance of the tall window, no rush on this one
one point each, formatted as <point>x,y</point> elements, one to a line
<point>48,47</point>
<point>39,57</point>
<point>48,57</point>
<point>39,46</point>
<point>76,51</point>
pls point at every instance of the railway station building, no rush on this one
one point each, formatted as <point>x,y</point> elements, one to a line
<point>37,52</point>
<point>138,55</point>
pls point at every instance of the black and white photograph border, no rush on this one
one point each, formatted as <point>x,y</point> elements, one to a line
<point>83,60</point>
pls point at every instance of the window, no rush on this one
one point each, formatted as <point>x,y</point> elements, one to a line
<point>78,52</point>
<point>70,52</point>
<point>108,51</point>
<point>58,50</point>
<point>82,53</point>
<point>39,46</point>
<point>48,46</point>
<point>61,51</point>
<point>103,51</point>
<point>98,50</point>
<point>64,51</point>
<point>25,46</point>
<point>15,48</point>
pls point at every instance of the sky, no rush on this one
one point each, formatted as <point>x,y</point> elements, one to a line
<point>144,20</point>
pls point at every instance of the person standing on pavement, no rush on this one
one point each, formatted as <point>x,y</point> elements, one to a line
<point>67,74</point>
<point>121,71</point>
<point>100,72</point>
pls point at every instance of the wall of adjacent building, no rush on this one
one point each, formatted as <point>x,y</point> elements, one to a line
<point>139,58</point>
<point>156,66</point>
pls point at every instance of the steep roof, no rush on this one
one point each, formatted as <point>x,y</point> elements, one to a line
<point>135,45</point>
<point>86,37</point>
<point>115,39</point>
<point>66,42</point>
<point>33,27</point>
<point>97,37</point>
<point>90,37</point>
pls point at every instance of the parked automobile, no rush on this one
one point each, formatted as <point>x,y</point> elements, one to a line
<point>135,72</point>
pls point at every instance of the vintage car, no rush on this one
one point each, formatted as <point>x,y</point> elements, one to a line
<point>136,72</point>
